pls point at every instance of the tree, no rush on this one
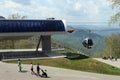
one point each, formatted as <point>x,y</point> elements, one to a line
<point>113,45</point>
<point>16,16</point>
<point>115,5</point>
<point>13,17</point>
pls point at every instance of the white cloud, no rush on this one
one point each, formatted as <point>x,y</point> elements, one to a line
<point>23,2</point>
<point>76,10</point>
<point>8,7</point>
<point>10,4</point>
<point>77,6</point>
<point>91,9</point>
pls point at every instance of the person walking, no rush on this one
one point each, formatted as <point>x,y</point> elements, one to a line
<point>38,70</point>
<point>31,68</point>
<point>19,65</point>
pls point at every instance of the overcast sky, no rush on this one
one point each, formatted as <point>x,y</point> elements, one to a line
<point>70,10</point>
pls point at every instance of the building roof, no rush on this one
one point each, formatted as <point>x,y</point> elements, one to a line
<point>9,26</point>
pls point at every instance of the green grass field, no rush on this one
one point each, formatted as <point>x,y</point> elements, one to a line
<point>89,65</point>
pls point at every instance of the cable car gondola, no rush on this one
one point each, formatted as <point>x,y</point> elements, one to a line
<point>88,43</point>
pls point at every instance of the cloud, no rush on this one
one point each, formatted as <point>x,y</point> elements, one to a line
<point>77,6</point>
<point>71,10</point>
<point>23,2</point>
<point>91,9</point>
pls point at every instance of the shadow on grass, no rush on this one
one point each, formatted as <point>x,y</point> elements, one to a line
<point>73,56</point>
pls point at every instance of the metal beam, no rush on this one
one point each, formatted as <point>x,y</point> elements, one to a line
<point>40,38</point>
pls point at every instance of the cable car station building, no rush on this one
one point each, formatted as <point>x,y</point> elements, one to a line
<point>21,29</point>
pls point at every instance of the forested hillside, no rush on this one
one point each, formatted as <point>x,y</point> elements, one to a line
<point>74,41</point>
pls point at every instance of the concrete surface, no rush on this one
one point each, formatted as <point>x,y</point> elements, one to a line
<point>10,72</point>
<point>110,62</point>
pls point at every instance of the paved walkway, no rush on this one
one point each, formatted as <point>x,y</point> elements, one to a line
<point>10,72</point>
<point>110,62</point>
<point>24,50</point>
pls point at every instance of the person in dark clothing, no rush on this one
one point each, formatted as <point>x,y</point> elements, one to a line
<point>116,58</point>
<point>38,70</point>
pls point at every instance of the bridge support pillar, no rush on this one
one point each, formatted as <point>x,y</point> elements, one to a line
<point>46,43</point>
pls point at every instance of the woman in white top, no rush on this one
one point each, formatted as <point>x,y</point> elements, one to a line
<point>32,71</point>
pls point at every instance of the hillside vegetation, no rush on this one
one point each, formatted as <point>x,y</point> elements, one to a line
<point>74,41</point>
<point>112,47</point>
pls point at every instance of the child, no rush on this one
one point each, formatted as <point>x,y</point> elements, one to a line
<point>19,65</point>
